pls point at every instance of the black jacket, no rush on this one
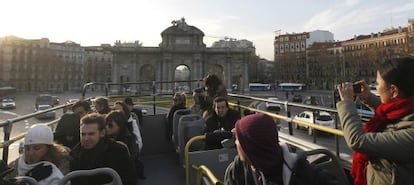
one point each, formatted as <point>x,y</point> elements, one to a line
<point>227,122</point>
<point>107,153</point>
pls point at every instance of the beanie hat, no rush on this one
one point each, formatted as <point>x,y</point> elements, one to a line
<point>258,137</point>
<point>39,134</point>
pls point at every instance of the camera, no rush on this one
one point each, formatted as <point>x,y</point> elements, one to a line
<point>357,88</point>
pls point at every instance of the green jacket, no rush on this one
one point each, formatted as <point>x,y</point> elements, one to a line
<point>391,151</point>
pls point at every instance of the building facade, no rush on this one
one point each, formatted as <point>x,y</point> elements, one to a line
<point>98,64</point>
<point>290,54</point>
<point>328,62</point>
<point>39,65</point>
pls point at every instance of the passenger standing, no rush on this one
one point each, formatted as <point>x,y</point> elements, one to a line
<point>102,105</point>
<point>214,87</point>
<point>383,146</point>
<point>262,161</point>
<point>132,124</point>
<point>42,159</point>
<point>96,151</point>
<point>179,102</point>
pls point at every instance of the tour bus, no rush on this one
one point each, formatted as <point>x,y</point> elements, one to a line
<point>183,160</point>
<point>260,87</point>
<point>292,86</point>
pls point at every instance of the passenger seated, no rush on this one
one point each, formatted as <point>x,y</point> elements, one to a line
<point>197,98</point>
<point>258,147</point>
<point>67,130</point>
<point>223,117</point>
<point>179,102</point>
<point>96,151</point>
<point>136,113</point>
<point>132,124</point>
<point>115,122</point>
<point>102,105</point>
<point>42,160</point>
<point>82,108</point>
<point>220,123</point>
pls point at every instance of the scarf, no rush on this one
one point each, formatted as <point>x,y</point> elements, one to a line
<point>385,114</point>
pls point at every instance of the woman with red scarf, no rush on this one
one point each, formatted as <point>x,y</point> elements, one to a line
<point>384,146</point>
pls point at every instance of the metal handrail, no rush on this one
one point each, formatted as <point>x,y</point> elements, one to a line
<point>116,179</point>
<point>186,156</point>
<point>204,171</point>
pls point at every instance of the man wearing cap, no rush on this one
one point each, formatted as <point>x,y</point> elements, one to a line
<point>262,160</point>
<point>137,114</point>
<point>97,151</point>
<point>36,161</point>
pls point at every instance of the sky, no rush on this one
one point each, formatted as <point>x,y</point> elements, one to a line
<point>95,22</point>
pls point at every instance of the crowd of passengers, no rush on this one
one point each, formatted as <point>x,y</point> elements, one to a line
<point>112,137</point>
<point>83,140</point>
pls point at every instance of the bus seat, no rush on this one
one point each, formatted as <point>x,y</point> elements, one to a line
<point>216,160</point>
<point>189,126</point>
<point>176,118</point>
<point>327,160</point>
<point>116,179</point>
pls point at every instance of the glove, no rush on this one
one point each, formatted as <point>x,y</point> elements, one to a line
<point>40,172</point>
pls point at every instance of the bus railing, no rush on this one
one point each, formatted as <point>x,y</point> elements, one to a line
<point>203,171</point>
<point>288,117</point>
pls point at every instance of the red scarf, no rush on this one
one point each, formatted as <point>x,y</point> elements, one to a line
<point>385,114</point>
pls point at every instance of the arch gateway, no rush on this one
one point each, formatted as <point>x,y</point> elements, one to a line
<point>182,45</point>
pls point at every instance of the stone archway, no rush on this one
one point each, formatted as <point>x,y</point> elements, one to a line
<point>182,73</point>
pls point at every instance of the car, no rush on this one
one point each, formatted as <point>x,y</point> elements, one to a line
<point>143,109</point>
<point>253,104</point>
<point>311,100</point>
<point>273,106</point>
<point>297,98</point>
<point>324,119</point>
<point>7,103</point>
<point>74,100</point>
<point>56,100</point>
<point>46,115</point>
<point>44,99</point>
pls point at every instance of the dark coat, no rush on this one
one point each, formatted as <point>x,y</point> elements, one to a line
<point>227,122</point>
<point>302,173</point>
<point>107,153</point>
<point>67,130</point>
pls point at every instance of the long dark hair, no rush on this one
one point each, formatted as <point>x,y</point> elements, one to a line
<point>213,83</point>
<point>399,72</point>
<point>120,119</point>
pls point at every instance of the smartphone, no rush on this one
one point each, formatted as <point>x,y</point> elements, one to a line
<point>357,88</point>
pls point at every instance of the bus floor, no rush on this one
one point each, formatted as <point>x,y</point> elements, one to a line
<point>162,169</point>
